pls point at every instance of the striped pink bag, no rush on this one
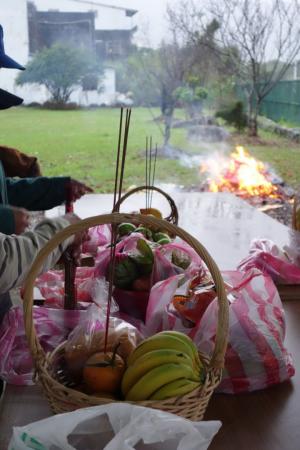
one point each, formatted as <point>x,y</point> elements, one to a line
<point>256,357</point>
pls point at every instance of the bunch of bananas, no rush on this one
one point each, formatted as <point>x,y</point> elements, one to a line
<point>163,366</point>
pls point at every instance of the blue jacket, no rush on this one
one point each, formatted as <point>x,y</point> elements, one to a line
<point>34,194</point>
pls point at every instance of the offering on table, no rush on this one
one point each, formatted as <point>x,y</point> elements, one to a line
<point>158,236</point>
<point>163,366</point>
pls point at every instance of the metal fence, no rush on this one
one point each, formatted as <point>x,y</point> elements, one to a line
<point>283,102</point>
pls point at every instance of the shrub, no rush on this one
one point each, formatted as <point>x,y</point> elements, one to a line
<point>234,116</point>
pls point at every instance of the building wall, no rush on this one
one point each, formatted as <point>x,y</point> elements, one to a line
<point>106,18</point>
<point>15,24</point>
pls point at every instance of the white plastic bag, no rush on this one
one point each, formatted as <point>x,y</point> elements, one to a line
<point>117,426</point>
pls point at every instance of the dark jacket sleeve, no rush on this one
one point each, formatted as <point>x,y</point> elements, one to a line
<point>36,194</point>
<point>7,221</point>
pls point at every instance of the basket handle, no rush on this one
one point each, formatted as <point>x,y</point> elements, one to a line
<point>217,359</point>
<point>173,216</point>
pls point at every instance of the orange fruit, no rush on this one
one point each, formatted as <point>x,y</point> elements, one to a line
<point>103,372</point>
<point>152,212</point>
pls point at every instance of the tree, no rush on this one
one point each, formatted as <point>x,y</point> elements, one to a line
<point>132,77</point>
<point>61,68</point>
<point>191,96</point>
<point>251,33</point>
<point>157,73</point>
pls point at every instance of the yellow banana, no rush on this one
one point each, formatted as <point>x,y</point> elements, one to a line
<point>157,342</point>
<point>158,377</point>
<point>150,360</point>
<point>176,388</point>
<point>185,339</point>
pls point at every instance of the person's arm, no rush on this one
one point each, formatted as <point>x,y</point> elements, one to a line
<point>13,220</point>
<point>7,220</point>
<point>37,194</point>
<point>17,253</point>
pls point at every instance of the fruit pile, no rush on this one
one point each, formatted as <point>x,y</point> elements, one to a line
<point>132,271</point>
<point>163,366</point>
<point>161,238</point>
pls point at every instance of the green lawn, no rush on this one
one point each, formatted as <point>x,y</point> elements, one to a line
<point>82,144</point>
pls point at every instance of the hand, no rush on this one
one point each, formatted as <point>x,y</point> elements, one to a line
<point>79,238</point>
<point>76,189</point>
<point>21,218</point>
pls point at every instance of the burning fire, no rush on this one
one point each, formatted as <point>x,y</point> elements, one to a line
<point>241,174</point>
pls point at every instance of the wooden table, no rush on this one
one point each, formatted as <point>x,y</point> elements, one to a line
<point>266,420</point>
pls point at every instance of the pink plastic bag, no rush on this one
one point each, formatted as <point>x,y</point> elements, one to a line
<point>51,286</point>
<point>163,266</point>
<point>52,327</point>
<point>267,257</point>
<point>99,236</point>
<point>168,260</point>
<point>256,357</point>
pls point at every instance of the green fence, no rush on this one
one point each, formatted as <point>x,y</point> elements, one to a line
<point>283,102</point>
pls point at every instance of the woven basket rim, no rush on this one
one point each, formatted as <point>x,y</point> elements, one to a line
<point>173,216</point>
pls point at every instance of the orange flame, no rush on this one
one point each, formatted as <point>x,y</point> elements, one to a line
<point>241,174</point>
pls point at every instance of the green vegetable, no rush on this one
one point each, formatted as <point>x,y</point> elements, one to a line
<point>164,241</point>
<point>158,236</point>
<point>145,260</point>
<point>145,231</point>
<point>125,228</point>
<point>125,273</point>
<point>145,250</point>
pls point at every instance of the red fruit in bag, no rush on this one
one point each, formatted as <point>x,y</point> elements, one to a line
<point>192,307</point>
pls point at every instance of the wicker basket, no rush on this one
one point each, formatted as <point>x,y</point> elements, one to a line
<point>172,217</point>
<point>48,366</point>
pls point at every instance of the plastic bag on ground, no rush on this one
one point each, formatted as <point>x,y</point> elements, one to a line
<point>117,426</point>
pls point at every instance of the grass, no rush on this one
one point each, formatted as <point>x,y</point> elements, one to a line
<point>82,144</point>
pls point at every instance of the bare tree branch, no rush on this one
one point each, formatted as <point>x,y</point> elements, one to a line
<point>266,36</point>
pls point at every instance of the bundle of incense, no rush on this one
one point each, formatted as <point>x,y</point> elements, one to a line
<point>119,176</point>
<point>150,171</point>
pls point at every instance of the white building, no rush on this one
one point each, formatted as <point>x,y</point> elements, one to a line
<point>14,19</point>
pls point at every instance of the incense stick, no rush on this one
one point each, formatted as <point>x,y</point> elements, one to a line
<point>117,193</point>
<point>146,181</point>
<point>118,156</point>
<point>153,174</point>
<point>126,132</point>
